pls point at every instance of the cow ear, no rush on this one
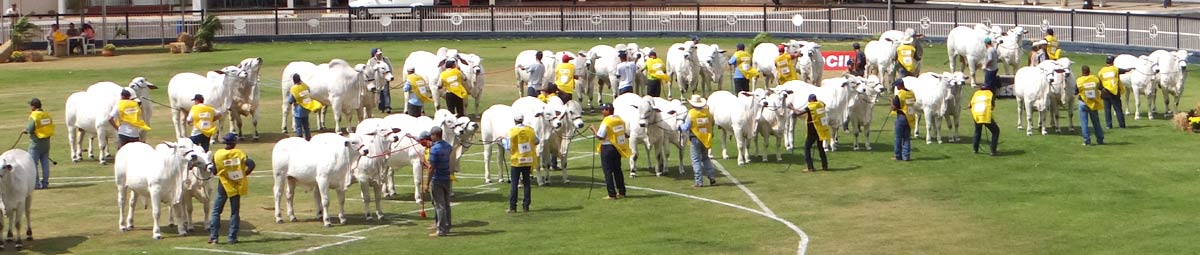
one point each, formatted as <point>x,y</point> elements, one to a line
<point>7,167</point>
<point>657,110</point>
<point>672,112</point>
<point>745,93</point>
<point>888,39</point>
<point>537,115</point>
<point>346,143</point>
<point>170,144</point>
<point>721,51</point>
<point>395,130</point>
<point>219,71</point>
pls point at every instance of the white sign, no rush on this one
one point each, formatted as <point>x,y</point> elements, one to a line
<point>926,23</point>
<point>456,20</point>
<point>527,20</point>
<point>314,22</point>
<point>1045,24</point>
<point>862,22</point>
<point>664,19</point>
<point>596,19</point>
<point>798,20</point>
<point>239,23</point>
<point>1153,31</point>
<point>1100,29</point>
<point>731,20</point>
<point>987,22</point>
<point>385,21</point>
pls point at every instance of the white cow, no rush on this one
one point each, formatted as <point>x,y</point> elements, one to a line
<point>426,65</point>
<point>932,92</point>
<point>966,44</point>
<point>881,58</point>
<point>157,174</point>
<point>17,175</point>
<point>377,137</point>
<point>1172,75</point>
<point>672,114</point>
<point>735,114</point>
<point>861,107</point>
<point>811,64</point>
<point>1008,48</point>
<point>406,152</point>
<point>836,93</point>
<point>196,185</point>
<point>1139,81</point>
<point>246,97</point>
<point>337,85</point>
<point>472,67</point>
<point>639,115</point>
<point>773,121</point>
<point>572,122</point>
<point>547,123</point>
<point>379,76</point>
<point>763,59</point>
<point>1033,89</point>
<point>218,89</point>
<point>526,58</point>
<point>323,163</point>
<point>87,113</point>
<point>494,124</point>
<point>683,66</point>
<point>712,66</point>
<point>918,42</point>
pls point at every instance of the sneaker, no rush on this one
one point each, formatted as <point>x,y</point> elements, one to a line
<point>434,235</point>
<point>620,195</point>
<point>712,182</point>
<point>510,210</point>
<point>610,198</point>
<point>994,154</point>
<point>212,241</point>
<point>525,209</point>
<point>232,241</point>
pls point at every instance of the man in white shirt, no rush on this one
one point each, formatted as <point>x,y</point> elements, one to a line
<point>536,72</point>
<point>625,74</point>
<point>12,12</point>
<point>126,132</point>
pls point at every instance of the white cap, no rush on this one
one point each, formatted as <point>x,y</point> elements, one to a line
<point>518,117</point>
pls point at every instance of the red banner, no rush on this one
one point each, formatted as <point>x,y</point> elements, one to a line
<point>837,60</point>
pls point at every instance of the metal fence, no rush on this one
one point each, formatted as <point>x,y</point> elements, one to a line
<point>1158,31</point>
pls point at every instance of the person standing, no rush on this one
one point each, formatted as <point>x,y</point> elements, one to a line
<point>613,146</point>
<point>1110,79</point>
<point>1038,53</point>
<point>906,57</point>
<point>699,127</point>
<point>564,78</point>
<point>858,65</point>
<point>743,69</point>
<point>818,132</point>
<point>127,119</point>
<point>302,103</point>
<point>521,145</point>
<point>1052,50</point>
<point>536,71</point>
<point>417,91</point>
<point>785,64</point>
<point>202,118</point>
<point>904,121</point>
<point>439,181</point>
<point>625,74</point>
<point>385,90</point>
<point>656,75</point>
<point>452,81</point>
<point>982,105</point>
<point>1088,89</point>
<point>40,129</point>
<point>548,91</point>
<point>991,78</point>
<point>232,167</point>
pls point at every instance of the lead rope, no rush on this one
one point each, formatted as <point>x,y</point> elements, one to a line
<point>14,145</point>
<point>593,177</point>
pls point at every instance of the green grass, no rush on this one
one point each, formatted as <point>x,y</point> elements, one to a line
<point>1044,195</point>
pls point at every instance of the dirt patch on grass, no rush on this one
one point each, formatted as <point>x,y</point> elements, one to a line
<point>85,62</point>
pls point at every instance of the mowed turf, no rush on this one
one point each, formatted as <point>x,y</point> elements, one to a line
<point>1044,194</point>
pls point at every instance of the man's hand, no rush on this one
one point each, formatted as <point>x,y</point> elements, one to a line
<point>23,132</point>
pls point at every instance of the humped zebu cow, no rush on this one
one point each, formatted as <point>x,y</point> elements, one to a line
<point>811,64</point>
<point>735,115</point>
<point>837,93</point>
<point>246,97</point>
<point>603,60</point>
<point>321,164</point>
<point>861,107</point>
<point>1172,75</point>
<point>640,116</point>
<point>368,169</point>
<point>426,65</point>
<point>548,123</point>
<point>87,114</point>
<point>1033,89</point>
<point>527,58</point>
<point>933,95</point>
<point>881,57</point>
<point>406,152</point>
<point>712,66</point>
<point>1008,48</point>
<point>337,85</point>
<point>379,77</point>
<point>218,88</point>
<point>155,174</point>
<point>764,60</point>
<point>17,177</point>
<point>965,44</point>
<point>1139,81</point>
<point>773,121</point>
<point>672,114</point>
<point>683,66</point>
<point>582,75</point>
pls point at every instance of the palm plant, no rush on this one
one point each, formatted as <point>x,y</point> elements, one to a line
<point>207,32</point>
<point>23,32</point>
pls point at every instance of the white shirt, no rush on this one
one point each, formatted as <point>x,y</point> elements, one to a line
<point>125,128</point>
<point>602,132</point>
<point>536,72</point>
<point>625,73</point>
<point>10,12</point>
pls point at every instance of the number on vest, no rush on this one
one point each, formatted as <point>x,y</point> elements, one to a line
<point>1090,94</point>
<point>45,122</point>
<point>979,107</point>
<point>523,148</point>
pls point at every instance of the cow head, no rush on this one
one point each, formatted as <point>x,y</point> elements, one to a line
<point>6,166</point>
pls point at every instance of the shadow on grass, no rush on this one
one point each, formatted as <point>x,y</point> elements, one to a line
<point>560,209</point>
<point>472,224</point>
<point>474,233</point>
<point>270,239</point>
<point>72,186</point>
<point>481,197</point>
<point>55,245</point>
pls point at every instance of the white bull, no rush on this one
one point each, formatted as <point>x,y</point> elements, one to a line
<point>157,174</point>
<point>683,66</point>
<point>336,84</point>
<point>87,114</point>
<point>712,66</point>
<point>672,114</point>
<point>836,93</point>
<point>881,57</point>
<point>1033,89</point>
<point>1139,82</point>
<point>861,107</point>
<point>639,115</point>
<point>773,121</point>
<point>603,61</point>
<point>218,89</point>
<point>1008,48</point>
<point>966,44</point>
<point>379,76</point>
<point>322,164</point>
<point>17,175</point>
<point>933,92</point>
<point>811,64</point>
<point>246,97</point>
<point>546,121</point>
<point>1172,75</point>
<point>735,114</point>
<point>526,58</point>
<point>406,152</point>
<point>369,171</point>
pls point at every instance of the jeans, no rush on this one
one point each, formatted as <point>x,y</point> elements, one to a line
<point>531,92</point>
<point>202,140</point>
<point>41,159</point>
<point>654,88</point>
<point>809,140</point>
<point>566,97</point>
<point>701,164</point>
<point>991,79</point>
<point>1086,114</point>
<point>741,85</point>
<point>235,218</point>
<point>123,139</point>
<point>1112,103</point>
<point>903,147</point>
<point>455,105</point>
<point>610,161</point>
<point>441,205</point>
<point>519,174</point>
<point>992,128</point>
<point>385,100</point>
<point>622,91</point>
<point>302,129</point>
<point>414,110</point>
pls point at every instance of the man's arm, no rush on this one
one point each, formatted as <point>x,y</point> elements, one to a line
<point>249,166</point>
<point>29,129</point>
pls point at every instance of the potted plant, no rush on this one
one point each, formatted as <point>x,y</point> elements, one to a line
<point>207,32</point>
<point>22,32</point>
<point>17,56</point>
<point>109,50</point>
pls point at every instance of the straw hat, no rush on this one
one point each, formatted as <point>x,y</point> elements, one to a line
<point>698,101</point>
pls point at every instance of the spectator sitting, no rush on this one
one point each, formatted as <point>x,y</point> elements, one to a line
<point>73,32</point>
<point>56,36</point>
<point>88,32</point>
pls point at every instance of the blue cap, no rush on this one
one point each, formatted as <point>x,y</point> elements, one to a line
<point>230,138</point>
<point>898,83</point>
<point>812,97</point>
<point>741,46</point>
<point>373,51</point>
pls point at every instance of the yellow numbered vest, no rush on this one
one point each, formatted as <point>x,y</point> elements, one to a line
<point>231,169</point>
<point>656,69</point>
<point>816,111</point>
<point>907,100</point>
<point>745,64</point>
<point>1089,92</point>
<point>564,77</point>
<point>981,106</point>
<point>301,93</point>
<point>615,133</point>
<point>1110,79</point>
<point>905,56</point>
<point>43,125</point>
<point>452,80</point>
<point>702,124</point>
<point>1052,50</point>
<point>522,147</point>
<point>420,88</point>
<point>785,68</point>
<point>546,97</point>
<point>203,117</point>
<point>129,112</point>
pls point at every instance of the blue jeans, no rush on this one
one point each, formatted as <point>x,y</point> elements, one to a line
<point>41,159</point>
<point>701,164</point>
<point>1086,114</point>
<point>235,218</point>
<point>385,100</point>
<point>1111,104</point>
<point>991,79</point>
<point>302,129</point>
<point>202,140</point>
<point>519,175</point>
<point>531,92</point>
<point>903,147</point>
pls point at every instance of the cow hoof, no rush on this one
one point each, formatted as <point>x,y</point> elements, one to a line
<point>1137,117</point>
<point>487,181</point>
<point>91,156</point>
<point>928,142</point>
<point>278,221</point>
<point>658,174</point>
<point>855,148</point>
<point>157,236</point>
<point>18,246</point>
<point>369,218</point>
<point>1028,133</point>
<point>294,219</point>
<point>341,220</point>
<point>939,142</point>
<point>328,225</point>
<point>868,148</point>
<point>103,163</point>
<point>75,160</point>
<point>1044,132</point>
<point>123,229</point>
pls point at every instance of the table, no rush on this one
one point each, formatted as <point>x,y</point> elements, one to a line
<point>81,40</point>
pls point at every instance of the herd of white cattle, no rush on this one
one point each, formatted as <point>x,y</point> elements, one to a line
<point>172,172</point>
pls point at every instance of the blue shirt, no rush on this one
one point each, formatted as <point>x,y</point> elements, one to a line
<point>439,157</point>
<point>737,73</point>
<point>297,110</point>
<point>412,96</point>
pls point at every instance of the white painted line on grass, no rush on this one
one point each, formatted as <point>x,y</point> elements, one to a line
<point>81,177</point>
<point>218,251</point>
<point>743,188</point>
<point>370,229</point>
<point>323,246</point>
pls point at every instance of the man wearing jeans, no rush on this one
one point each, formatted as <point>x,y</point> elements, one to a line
<point>232,167</point>
<point>698,126</point>
<point>1088,89</point>
<point>418,93</point>
<point>536,71</point>
<point>614,145</point>
<point>302,103</point>
<point>904,122</point>
<point>40,129</point>
<point>743,69</point>
<point>1110,79</point>
<point>982,105</point>
<point>991,78</point>
<point>521,144</point>
<point>626,71</point>
<point>439,181</point>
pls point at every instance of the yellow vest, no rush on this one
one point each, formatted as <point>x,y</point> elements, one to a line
<point>615,134</point>
<point>452,80</point>
<point>785,68</point>
<point>231,169</point>
<point>905,56</point>
<point>59,37</point>
<point>301,93</point>
<point>522,147</point>
<point>907,100</point>
<point>981,106</point>
<point>702,125</point>
<point>1089,92</point>
<point>129,112</point>
<point>1052,50</point>
<point>656,69</point>
<point>419,87</point>
<point>43,125</point>
<point>816,111</point>
<point>744,62</point>
<point>546,97</point>
<point>1110,79</point>
<point>1194,120</point>
<point>564,77</point>
<point>203,117</point>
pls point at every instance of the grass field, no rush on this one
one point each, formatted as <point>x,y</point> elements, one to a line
<point>1043,195</point>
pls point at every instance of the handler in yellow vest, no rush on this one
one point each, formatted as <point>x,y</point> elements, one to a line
<point>905,121</point>
<point>418,93</point>
<point>302,103</point>
<point>203,119</point>
<point>906,57</point>
<point>127,119</point>
<point>699,127</point>
<point>549,91</point>
<point>982,105</point>
<point>1052,50</point>
<point>785,65</point>
<point>522,146</point>
<point>452,80</point>
<point>743,69</point>
<point>233,168</point>
<point>40,129</point>
<point>564,78</point>
<point>818,131</point>
<point>656,75</point>
<point>1088,88</point>
<point>1110,78</point>
<point>614,145</point>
